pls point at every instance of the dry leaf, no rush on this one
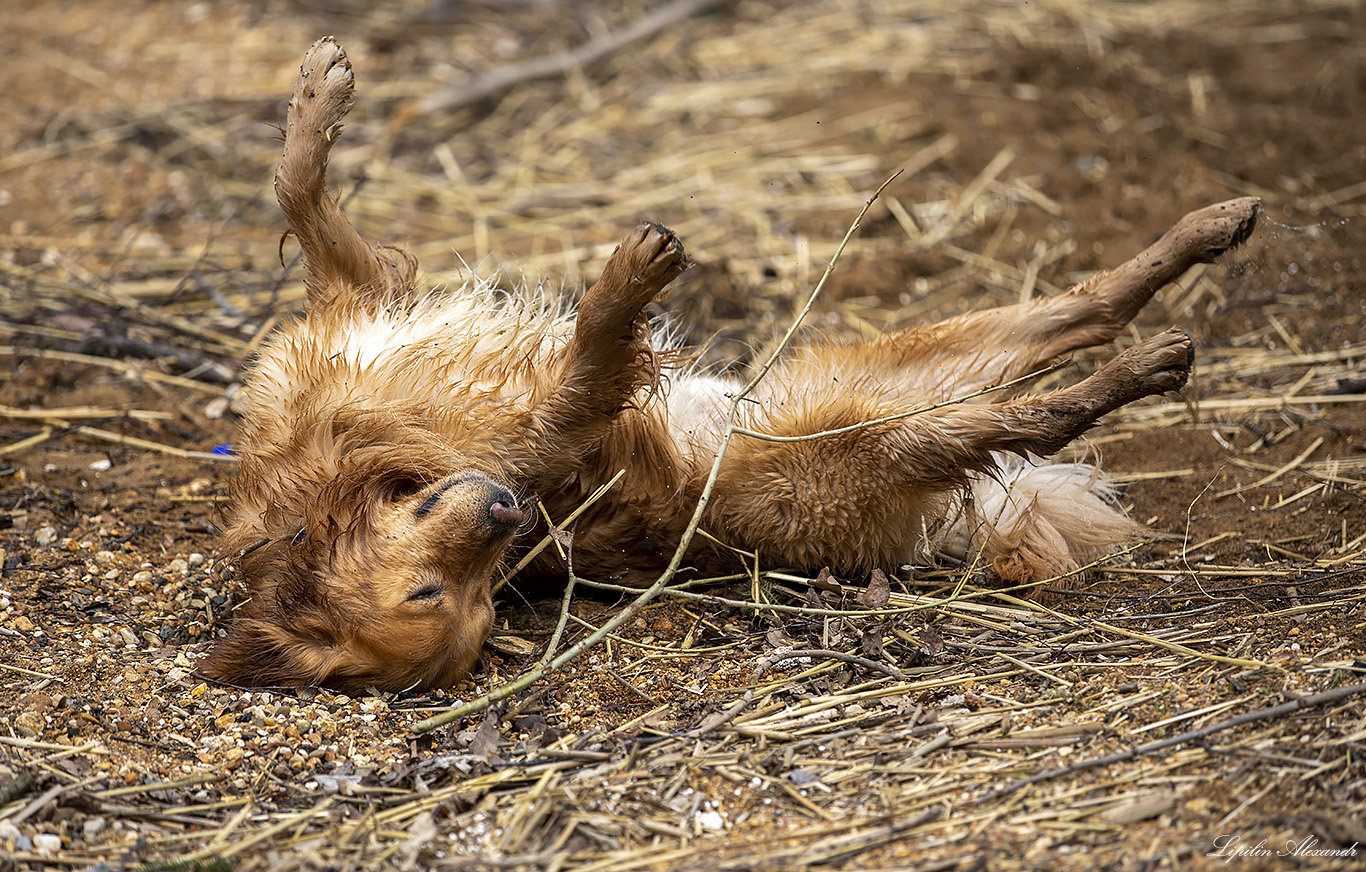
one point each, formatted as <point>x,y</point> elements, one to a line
<point>872,642</point>
<point>486,738</point>
<point>931,641</point>
<point>825,580</point>
<point>878,594</point>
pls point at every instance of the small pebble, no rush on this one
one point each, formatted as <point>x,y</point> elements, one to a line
<point>47,843</point>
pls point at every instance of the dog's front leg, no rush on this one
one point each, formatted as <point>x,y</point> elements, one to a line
<point>336,257</point>
<point>609,357</point>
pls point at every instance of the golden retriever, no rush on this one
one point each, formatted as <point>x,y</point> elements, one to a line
<point>391,446</point>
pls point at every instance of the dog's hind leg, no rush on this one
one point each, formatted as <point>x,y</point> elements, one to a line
<point>858,499</point>
<point>990,347</point>
<point>335,255</point>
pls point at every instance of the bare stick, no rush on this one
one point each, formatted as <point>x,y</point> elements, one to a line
<point>830,654</point>
<point>714,600</point>
<point>720,719</point>
<point>648,595</point>
<point>147,444</point>
<point>24,444</point>
<point>791,330</point>
<point>564,613</point>
<point>547,539</point>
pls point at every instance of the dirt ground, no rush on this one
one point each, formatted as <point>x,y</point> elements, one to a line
<point>141,261</point>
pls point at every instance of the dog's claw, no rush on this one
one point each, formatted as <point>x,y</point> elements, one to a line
<point>654,254</point>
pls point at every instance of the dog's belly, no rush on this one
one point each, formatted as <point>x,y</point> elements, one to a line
<point>698,405</point>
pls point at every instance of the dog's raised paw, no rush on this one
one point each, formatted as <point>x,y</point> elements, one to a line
<point>654,254</point>
<point>1213,230</point>
<point>325,90</point>
<point>1160,364</point>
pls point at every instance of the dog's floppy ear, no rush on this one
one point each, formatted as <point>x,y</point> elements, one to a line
<point>287,633</point>
<point>262,652</point>
<point>266,652</point>
<point>249,657</point>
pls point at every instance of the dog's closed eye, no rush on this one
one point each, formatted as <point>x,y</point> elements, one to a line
<point>426,592</point>
<point>428,504</point>
<point>402,487</point>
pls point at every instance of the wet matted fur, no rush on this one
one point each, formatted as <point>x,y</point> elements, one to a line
<point>391,446</point>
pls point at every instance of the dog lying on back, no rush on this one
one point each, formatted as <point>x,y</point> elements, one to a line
<point>390,446</point>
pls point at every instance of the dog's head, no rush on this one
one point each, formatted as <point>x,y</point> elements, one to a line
<point>370,545</point>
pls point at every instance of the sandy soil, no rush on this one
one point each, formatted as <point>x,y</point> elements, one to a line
<point>139,265</point>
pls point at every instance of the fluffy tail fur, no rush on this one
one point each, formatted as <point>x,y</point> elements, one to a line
<point>1035,520</point>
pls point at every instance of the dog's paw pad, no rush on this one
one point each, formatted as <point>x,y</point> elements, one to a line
<point>656,253</point>
<point>325,89</point>
<point>1162,363</point>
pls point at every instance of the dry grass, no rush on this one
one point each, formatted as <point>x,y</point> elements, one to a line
<point>1206,683</point>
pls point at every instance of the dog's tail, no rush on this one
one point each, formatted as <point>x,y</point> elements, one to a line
<point>1032,521</point>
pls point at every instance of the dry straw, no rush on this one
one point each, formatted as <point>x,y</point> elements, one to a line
<point>784,722</point>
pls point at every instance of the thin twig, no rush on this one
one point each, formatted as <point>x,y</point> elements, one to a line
<point>1275,474</point>
<point>475,88</point>
<point>829,654</point>
<point>73,413</point>
<point>547,539</point>
<point>720,719</point>
<point>130,370</point>
<point>28,442</point>
<point>149,445</point>
<point>564,614</point>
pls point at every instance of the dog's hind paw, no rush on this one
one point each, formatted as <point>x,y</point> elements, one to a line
<point>324,93</point>
<point>1157,365</point>
<point>1209,232</point>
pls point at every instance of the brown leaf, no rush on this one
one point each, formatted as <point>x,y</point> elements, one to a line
<point>486,738</point>
<point>825,580</point>
<point>930,640</point>
<point>813,599</point>
<point>777,637</point>
<point>878,593</point>
<point>872,642</point>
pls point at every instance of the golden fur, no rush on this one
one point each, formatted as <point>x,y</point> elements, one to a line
<point>390,448</point>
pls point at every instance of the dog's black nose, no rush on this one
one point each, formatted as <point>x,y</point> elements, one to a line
<point>477,499</point>
<point>503,511</point>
